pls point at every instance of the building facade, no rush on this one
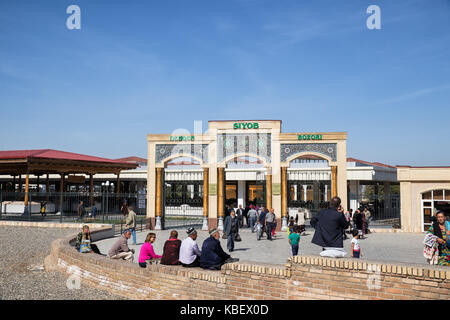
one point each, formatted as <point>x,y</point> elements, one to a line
<point>241,162</point>
<point>424,191</point>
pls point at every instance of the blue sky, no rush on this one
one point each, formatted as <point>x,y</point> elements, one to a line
<point>139,67</point>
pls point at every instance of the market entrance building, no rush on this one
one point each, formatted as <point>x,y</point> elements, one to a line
<point>196,177</point>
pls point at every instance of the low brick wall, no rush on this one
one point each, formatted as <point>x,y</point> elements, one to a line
<point>303,277</point>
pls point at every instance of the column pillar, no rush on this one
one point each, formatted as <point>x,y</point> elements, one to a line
<point>118,183</point>
<point>220,196</point>
<point>47,187</point>
<point>284,198</point>
<point>14,184</point>
<point>333,181</point>
<point>27,181</point>
<point>387,200</point>
<point>205,198</point>
<point>61,190</point>
<point>158,195</point>
<point>269,189</point>
<point>91,190</point>
<point>20,183</point>
<point>37,183</point>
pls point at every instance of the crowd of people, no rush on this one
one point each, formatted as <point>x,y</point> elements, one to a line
<point>331,226</point>
<point>176,252</point>
<point>253,215</point>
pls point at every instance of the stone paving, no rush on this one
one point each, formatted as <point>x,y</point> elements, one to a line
<point>386,247</point>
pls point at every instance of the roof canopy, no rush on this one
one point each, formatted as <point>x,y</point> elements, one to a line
<point>53,161</point>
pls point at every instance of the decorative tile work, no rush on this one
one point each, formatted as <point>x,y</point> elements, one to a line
<point>251,143</point>
<point>327,149</point>
<point>163,151</point>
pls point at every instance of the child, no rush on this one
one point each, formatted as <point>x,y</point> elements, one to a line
<point>291,225</point>
<point>356,250</point>
<point>294,239</point>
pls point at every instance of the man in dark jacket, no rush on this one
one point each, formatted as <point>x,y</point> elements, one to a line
<point>329,224</point>
<point>213,256</point>
<point>231,229</point>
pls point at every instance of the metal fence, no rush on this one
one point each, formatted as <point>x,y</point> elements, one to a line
<point>385,210</point>
<point>97,207</point>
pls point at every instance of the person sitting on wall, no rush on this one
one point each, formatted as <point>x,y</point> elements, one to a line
<point>213,257</point>
<point>171,251</point>
<point>441,229</point>
<point>147,252</point>
<point>120,248</point>
<point>329,224</point>
<point>189,251</point>
<point>84,242</point>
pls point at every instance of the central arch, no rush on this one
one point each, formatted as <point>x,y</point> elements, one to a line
<point>309,184</point>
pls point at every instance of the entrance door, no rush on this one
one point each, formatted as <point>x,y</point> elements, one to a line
<point>256,193</point>
<point>231,195</point>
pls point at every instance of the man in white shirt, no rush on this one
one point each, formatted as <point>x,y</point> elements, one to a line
<point>189,251</point>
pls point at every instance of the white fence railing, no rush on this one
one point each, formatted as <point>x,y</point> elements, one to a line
<point>184,210</point>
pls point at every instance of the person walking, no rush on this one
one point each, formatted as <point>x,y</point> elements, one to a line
<point>80,210</point>
<point>240,215</point>
<point>231,229</point>
<point>269,223</point>
<point>252,215</point>
<point>189,251</point>
<point>124,208</point>
<point>171,251</point>
<point>120,248</point>
<point>147,252</point>
<point>300,219</point>
<point>367,216</point>
<point>294,239</point>
<point>274,226</point>
<point>43,204</point>
<point>328,225</point>
<point>130,223</point>
<point>358,223</point>
<point>356,250</point>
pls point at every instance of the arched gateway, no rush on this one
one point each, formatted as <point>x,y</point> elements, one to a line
<point>241,162</point>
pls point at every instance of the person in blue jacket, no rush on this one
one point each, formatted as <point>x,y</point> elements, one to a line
<point>213,256</point>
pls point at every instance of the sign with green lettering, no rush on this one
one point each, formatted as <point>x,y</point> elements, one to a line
<point>182,138</point>
<point>309,137</point>
<point>246,125</point>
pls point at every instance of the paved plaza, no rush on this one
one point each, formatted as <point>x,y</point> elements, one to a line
<point>386,247</point>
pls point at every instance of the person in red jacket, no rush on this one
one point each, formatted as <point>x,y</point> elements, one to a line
<point>171,251</point>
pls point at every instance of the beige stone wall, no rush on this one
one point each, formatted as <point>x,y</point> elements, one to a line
<point>414,182</point>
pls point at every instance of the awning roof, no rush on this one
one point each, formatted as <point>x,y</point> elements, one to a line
<point>54,161</point>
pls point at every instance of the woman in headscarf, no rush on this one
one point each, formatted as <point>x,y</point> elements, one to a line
<point>441,229</point>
